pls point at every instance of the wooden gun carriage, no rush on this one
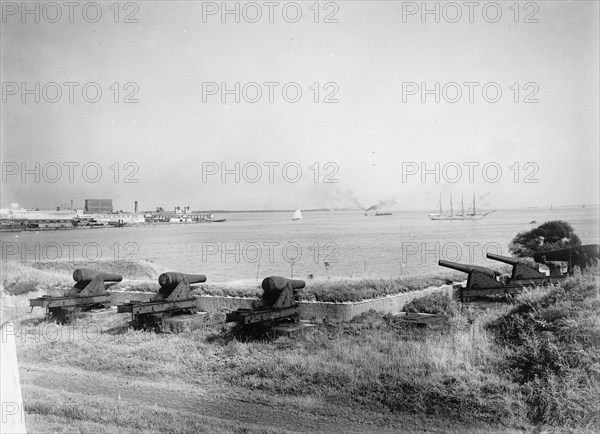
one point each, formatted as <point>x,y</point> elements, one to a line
<point>88,293</point>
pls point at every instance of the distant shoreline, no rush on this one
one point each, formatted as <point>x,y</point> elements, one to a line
<point>257,211</point>
<point>427,211</point>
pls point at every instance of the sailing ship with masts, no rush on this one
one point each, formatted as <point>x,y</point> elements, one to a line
<point>462,216</point>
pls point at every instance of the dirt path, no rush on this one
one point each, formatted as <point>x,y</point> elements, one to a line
<point>213,401</point>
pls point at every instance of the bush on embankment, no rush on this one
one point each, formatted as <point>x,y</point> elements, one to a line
<point>553,352</point>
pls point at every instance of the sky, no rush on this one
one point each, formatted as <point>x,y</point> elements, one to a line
<point>182,139</point>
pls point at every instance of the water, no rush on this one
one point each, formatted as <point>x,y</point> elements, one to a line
<point>251,245</point>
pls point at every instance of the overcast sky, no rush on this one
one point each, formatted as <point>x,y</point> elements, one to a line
<point>373,136</point>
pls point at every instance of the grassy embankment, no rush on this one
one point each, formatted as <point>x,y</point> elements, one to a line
<point>52,277</point>
<point>531,363</point>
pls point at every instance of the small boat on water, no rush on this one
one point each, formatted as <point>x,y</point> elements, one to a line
<point>378,213</point>
<point>297,215</point>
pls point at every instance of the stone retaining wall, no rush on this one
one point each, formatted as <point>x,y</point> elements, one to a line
<point>308,310</point>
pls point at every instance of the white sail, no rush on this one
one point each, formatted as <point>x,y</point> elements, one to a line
<point>297,215</point>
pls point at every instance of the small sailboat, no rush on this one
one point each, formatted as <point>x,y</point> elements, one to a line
<point>297,215</point>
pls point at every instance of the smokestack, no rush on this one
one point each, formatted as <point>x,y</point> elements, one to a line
<point>135,207</point>
<point>71,203</point>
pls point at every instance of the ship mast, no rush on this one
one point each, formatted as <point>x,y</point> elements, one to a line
<point>473,203</point>
<point>451,211</point>
<point>462,204</point>
<point>440,202</point>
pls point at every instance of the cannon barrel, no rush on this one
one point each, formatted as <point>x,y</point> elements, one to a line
<point>510,260</point>
<point>273,287</point>
<point>173,278</point>
<point>87,275</point>
<point>468,268</point>
<point>277,283</point>
<point>505,259</point>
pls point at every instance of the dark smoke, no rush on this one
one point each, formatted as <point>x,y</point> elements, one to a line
<point>380,204</point>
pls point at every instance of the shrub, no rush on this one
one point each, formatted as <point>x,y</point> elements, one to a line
<point>552,235</point>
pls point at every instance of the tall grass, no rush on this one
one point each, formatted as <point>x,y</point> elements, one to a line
<point>553,352</point>
<point>377,362</point>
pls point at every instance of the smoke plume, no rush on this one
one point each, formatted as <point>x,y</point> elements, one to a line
<point>381,204</point>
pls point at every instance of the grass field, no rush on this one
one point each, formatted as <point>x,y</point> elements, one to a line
<point>528,365</point>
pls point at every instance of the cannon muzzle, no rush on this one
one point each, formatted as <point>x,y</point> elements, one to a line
<point>468,268</point>
<point>173,278</point>
<point>87,275</point>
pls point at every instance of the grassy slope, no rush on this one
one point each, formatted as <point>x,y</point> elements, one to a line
<point>532,362</point>
<point>53,277</point>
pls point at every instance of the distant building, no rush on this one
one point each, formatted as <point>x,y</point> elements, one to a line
<point>98,205</point>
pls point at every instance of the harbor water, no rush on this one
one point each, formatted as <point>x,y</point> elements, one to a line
<point>321,244</point>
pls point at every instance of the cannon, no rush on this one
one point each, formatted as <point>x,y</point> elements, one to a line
<point>522,268</point>
<point>525,272</point>
<point>479,277</point>
<point>581,256</point>
<point>278,303</point>
<point>174,298</point>
<point>89,292</point>
<point>482,281</point>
